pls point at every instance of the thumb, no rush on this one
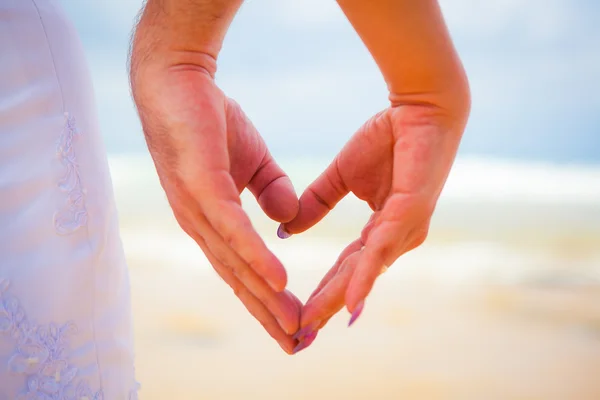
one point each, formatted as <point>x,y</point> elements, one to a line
<point>274,191</point>
<point>318,199</point>
<point>268,183</point>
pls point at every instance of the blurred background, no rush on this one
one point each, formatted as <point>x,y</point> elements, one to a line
<point>503,300</point>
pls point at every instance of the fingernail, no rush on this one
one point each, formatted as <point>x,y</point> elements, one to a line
<point>356,312</point>
<point>308,339</point>
<point>306,330</point>
<point>281,233</point>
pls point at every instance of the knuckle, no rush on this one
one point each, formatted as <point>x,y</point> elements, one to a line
<point>320,199</point>
<point>229,238</point>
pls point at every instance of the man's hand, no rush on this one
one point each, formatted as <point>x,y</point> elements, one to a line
<point>206,152</point>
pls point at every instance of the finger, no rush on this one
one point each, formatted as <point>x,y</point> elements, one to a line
<point>309,325</point>
<point>283,306</point>
<point>305,342</point>
<point>274,191</point>
<point>330,298</point>
<point>252,303</point>
<point>267,181</point>
<point>318,199</point>
<point>397,230</point>
<point>262,315</point>
<point>313,327</point>
<point>384,240</point>
<point>294,300</point>
<point>351,248</point>
<point>221,206</point>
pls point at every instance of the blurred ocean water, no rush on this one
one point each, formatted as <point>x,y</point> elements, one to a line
<point>496,221</point>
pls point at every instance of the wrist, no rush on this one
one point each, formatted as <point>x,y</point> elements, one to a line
<point>411,44</point>
<point>173,33</point>
<point>451,98</point>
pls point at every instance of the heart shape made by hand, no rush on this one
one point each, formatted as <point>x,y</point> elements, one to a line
<point>206,152</point>
<point>397,162</point>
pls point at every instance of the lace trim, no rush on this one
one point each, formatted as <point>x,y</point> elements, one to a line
<point>40,355</point>
<point>74,214</point>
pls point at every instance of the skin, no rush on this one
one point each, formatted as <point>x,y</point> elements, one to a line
<point>206,152</point>
<point>399,160</point>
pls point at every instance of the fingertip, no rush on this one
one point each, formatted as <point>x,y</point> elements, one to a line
<point>277,284</point>
<point>357,291</point>
<point>282,233</point>
<point>306,342</point>
<point>319,198</point>
<point>353,300</point>
<point>355,312</point>
<point>313,313</point>
<point>289,313</point>
<point>277,278</point>
<point>306,330</point>
<point>288,345</point>
<point>279,200</point>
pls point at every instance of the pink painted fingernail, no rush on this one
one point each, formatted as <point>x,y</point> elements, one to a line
<point>308,339</point>
<point>356,312</point>
<point>281,233</point>
<point>302,333</point>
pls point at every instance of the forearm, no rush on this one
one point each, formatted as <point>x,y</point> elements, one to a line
<point>183,31</point>
<point>412,47</point>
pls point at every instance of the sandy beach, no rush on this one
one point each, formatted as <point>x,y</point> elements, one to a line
<point>194,341</point>
<point>418,339</point>
<point>485,310</point>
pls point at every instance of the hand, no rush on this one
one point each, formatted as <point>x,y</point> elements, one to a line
<point>398,163</point>
<point>399,160</point>
<point>206,152</point>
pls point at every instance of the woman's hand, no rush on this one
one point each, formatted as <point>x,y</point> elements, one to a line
<point>399,160</point>
<point>398,163</point>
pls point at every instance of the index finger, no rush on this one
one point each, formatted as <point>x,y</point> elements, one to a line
<point>252,303</point>
<point>331,298</point>
<point>399,228</point>
<point>221,205</point>
<point>284,306</point>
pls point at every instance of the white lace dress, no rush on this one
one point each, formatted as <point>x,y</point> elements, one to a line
<point>65,319</point>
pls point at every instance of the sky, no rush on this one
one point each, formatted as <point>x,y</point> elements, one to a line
<point>307,82</point>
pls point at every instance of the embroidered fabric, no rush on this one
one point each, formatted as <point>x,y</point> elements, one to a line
<point>74,214</point>
<point>40,355</point>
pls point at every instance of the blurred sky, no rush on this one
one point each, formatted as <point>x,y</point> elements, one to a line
<point>307,82</point>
